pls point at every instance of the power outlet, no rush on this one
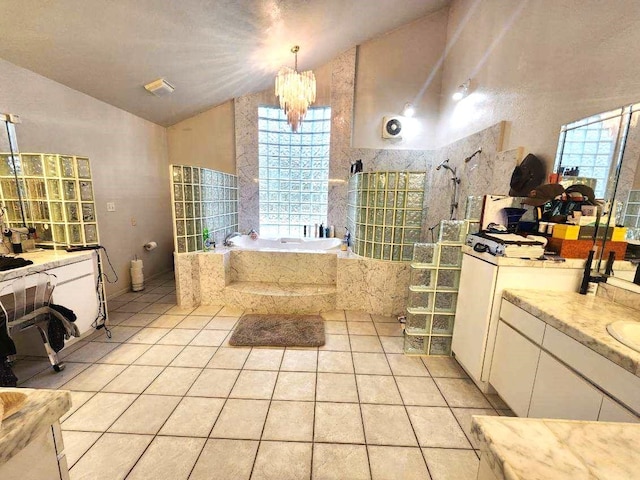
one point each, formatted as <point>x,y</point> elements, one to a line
<point>111,207</point>
<point>134,222</point>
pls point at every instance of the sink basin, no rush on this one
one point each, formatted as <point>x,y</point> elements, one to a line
<point>10,403</point>
<point>626,332</point>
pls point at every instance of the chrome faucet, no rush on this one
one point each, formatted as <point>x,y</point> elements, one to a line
<point>227,239</point>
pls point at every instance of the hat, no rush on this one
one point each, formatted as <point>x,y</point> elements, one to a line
<point>543,194</point>
<point>589,197</point>
<point>527,176</point>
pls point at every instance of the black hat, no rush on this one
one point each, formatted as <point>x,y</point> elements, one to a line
<point>543,194</point>
<point>586,192</point>
<point>527,176</point>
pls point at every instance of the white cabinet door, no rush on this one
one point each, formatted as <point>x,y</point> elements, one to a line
<point>80,296</point>
<point>513,370</point>
<point>473,313</point>
<point>612,411</point>
<point>559,392</point>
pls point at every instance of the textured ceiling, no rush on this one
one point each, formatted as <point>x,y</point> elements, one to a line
<point>211,51</point>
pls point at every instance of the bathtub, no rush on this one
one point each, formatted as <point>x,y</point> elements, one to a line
<point>286,243</point>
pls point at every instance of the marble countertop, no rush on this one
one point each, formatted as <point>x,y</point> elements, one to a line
<point>541,449</point>
<point>582,317</point>
<point>45,259</point>
<point>41,409</point>
<point>523,262</point>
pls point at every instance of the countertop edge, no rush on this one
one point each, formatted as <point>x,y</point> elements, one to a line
<point>41,262</point>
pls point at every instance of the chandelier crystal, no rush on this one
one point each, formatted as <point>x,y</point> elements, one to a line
<point>296,91</point>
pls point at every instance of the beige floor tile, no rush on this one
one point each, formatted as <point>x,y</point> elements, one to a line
<point>371,363</point>
<point>335,328</point>
<point>365,343</point>
<point>158,308</point>
<point>159,355</point>
<point>462,392</point>
<point>420,391</point>
<point>194,357</point>
<point>133,307</point>
<point>361,328</point>
<point>168,458</point>
<point>506,413</point>
<point>465,416</point>
<point>397,463</point>
<point>111,457</point>
<point>149,335</point>
<point>336,387</point>
<point>173,381</point>
<point>214,383</point>
<point>150,297</point>
<point>338,423</point>
<point>384,318</point>
<point>146,415</point>
<point>91,352</point>
<point>167,320</point>
<point>282,461</point>
<point>334,315</point>
<point>357,316</point>
<point>225,460</point>
<point>291,421</point>
<point>230,312</point>
<point>209,338</point>
<point>496,402</point>
<point>387,425</point>
<point>178,310</point>
<point>135,379</point>
<point>451,464</point>
<point>99,412</point>
<point>221,323</point>
<point>437,427</point>
<point>335,362</point>
<point>340,462</point>
<point>336,343</point>
<point>164,290</point>
<point>52,379</point>
<point>94,378</point>
<point>115,317</point>
<point>193,417</point>
<point>77,443</point>
<point>178,337</point>
<point>25,369</point>
<point>264,359</point>
<point>193,322</point>
<point>444,367</point>
<point>392,344</point>
<point>241,419</point>
<point>140,319</point>
<point>254,384</point>
<point>119,334</point>
<point>378,389</point>
<point>300,361</point>
<point>233,358</point>
<point>128,297</point>
<point>207,310</point>
<point>295,386</point>
<point>77,400</point>
<point>407,366</point>
<point>389,329</point>
<point>125,354</point>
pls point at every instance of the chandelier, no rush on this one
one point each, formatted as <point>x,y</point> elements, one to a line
<point>296,90</point>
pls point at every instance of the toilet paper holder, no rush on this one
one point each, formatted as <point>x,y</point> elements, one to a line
<point>150,246</point>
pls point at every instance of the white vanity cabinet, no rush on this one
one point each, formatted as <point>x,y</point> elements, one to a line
<point>541,372</point>
<point>482,280</point>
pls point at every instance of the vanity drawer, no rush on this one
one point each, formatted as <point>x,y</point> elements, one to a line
<point>613,379</point>
<point>522,321</point>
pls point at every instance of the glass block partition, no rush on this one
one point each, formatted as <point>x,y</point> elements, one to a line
<point>202,198</point>
<point>385,213</point>
<point>57,196</point>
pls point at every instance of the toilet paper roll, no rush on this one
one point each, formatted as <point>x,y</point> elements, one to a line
<point>150,246</point>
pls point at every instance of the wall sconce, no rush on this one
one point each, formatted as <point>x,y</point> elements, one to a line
<point>408,110</point>
<point>462,91</point>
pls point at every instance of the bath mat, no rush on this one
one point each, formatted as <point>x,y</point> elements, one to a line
<point>277,330</point>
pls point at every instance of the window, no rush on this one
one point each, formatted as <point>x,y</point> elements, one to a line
<point>293,171</point>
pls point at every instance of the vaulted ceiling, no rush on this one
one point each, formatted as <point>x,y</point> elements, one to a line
<point>211,51</point>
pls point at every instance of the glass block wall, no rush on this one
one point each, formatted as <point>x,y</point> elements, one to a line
<point>57,197</point>
<point>385,213</point>
<point>202,198</point>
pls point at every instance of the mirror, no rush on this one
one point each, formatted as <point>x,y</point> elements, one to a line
<point>602,151</point>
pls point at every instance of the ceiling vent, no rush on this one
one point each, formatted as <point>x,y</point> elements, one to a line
<point>392,127</point>
<point>160,88</point>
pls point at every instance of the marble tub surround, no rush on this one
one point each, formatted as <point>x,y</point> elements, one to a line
<point>41,409</point>
<point>583,318</point>
<point>542,449</point>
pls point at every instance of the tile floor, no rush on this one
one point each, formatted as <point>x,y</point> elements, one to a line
<point>167,397</point>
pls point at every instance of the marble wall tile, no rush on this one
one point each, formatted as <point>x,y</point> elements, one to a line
<point>214,274</point>
<point>283,267</point>
<point>187,274</point>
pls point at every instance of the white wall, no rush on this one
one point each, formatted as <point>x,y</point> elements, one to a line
<point>538,64</point>
<point>128,160</point>
<point>402,66</point>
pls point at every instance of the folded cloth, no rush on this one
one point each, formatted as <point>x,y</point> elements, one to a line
<point>9,263</point>
<point>57,331</point>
